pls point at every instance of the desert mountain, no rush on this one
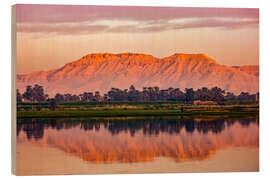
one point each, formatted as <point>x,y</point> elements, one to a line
<point>102,71</point>
<point>254,70</point>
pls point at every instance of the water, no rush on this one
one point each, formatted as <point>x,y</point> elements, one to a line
<point>137,145</point>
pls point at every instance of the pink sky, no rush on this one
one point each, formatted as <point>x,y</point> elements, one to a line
<point>48,36</point>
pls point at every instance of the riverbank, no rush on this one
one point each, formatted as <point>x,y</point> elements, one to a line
<point>121,113</point>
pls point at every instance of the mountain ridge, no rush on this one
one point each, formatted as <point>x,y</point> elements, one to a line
<point>102,71</point>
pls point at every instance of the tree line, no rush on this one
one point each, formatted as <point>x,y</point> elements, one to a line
<point>147,94</point>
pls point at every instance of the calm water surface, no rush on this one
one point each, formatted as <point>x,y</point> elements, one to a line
<point>137,145</point>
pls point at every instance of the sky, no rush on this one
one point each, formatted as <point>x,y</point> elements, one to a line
<point>49,36</point>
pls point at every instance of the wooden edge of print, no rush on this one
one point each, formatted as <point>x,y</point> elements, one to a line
<point>13,89</point>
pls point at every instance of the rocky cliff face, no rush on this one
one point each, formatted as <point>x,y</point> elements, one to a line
<point>101,72</point>
<point>253,70</point>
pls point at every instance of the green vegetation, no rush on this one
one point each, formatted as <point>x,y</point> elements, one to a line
<point>99,109</point>
<point>151,101</point>
<point>204,95</point>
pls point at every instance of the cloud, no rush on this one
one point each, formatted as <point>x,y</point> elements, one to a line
<point>217,23</point>
<point>60,29</point>
<point>74,19</point>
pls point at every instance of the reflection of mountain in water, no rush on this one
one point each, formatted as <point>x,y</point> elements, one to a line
<point>139,140</point>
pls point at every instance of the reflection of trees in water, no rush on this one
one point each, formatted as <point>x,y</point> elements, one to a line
<point>36,128</point>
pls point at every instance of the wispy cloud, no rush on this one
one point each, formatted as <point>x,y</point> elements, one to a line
<point>71,19</point>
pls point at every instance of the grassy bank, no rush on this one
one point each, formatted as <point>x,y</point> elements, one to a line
<point>135,112</point>
<point>132,109</point>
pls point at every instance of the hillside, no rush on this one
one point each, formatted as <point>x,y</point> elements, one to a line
<point>102,71</point>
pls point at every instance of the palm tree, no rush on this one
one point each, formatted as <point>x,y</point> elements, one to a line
<point>189,95</point>
<point>18,96</point>
<point>29,93</point>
